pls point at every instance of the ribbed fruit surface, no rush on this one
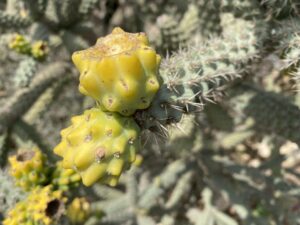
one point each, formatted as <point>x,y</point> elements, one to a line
<point>99,145</point>
<point>78,210</point>
<point>120,72</point>
<point>64,179</point>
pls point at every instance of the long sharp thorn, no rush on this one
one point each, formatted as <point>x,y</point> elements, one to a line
<point>181,129</point>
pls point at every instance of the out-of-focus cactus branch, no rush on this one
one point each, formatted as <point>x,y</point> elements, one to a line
<point>23,99</point>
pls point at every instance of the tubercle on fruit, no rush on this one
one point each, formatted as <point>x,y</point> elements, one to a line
<point>120,72</point>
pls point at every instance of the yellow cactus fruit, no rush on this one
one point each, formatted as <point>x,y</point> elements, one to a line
<point>20,44</point>
<point>29,168</point>
<point>120,72</point>
<point>64,179</point>
<point>138,160</point>
<point>42,206</point>
<point>78,210</point>
<point>39,50</point>
<point>99,145</point>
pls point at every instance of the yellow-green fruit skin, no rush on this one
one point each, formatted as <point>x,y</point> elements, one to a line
<point>29,168</point>
<point>99,145</point>
<point>78,210</point>
<point>64,179</point>
<point>39,50</point>
<point>20,44</point>
<point>35,208</point>
<point>120,72</point>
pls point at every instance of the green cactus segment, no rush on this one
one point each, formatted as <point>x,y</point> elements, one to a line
<point>36,7</point>
<point>62,13</point>
<point>8,20</point>
<point>209,18</point>
<point>171,38</point>
<point>246,9</point>
<point>168,178</point>
<point>73,42</point>
<point>174,34</point>
<point>23,99</point>
<point>25,72</point>
<point>182,187</point>
<point>68,10</point>
<point>115,208</point>
<point>86,6</point>
<point>190,21</point>
<point>290,47</point>
<point>269,112</point>
<point>41,105</point>
<point>282,8</point>
<point>99,145</point>
<point>193,76</point>
<point>68,13</point>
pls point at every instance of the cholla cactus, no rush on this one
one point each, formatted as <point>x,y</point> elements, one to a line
<point>192,76</point>
<point>232,153</point>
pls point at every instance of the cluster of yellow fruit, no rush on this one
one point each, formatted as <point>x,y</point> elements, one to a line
<point>42,206</point>
<point>44,184</point>
<point>38,49</point>
<point>121,73</point>
<point>29,169</point>
<point>64,179</point>
<point>78,210</point>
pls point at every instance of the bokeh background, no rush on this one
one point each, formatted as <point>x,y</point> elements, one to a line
<point>222,148</point>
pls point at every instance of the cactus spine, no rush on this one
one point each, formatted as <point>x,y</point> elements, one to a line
<point>194,75</point>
